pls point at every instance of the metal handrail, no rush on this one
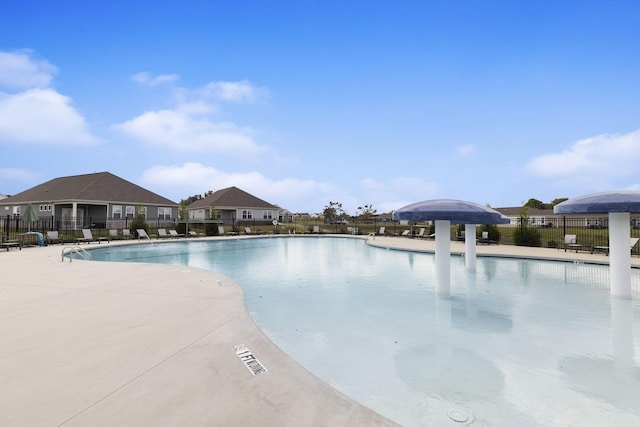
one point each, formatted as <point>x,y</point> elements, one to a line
<point>75,249</point>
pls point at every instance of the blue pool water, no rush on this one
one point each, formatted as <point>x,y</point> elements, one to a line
<point>520,342</point>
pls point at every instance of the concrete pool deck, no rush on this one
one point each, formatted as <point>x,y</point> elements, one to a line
<point>92,343</point>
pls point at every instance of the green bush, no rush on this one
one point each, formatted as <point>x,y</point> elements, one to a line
<point>494,233</point>
<point>211,229</point>
<point>181,228</point>
<point>526,236</point>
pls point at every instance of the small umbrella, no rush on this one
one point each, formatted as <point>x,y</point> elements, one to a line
<point>30,215</point>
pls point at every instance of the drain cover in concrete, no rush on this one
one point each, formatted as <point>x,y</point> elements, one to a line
<point>249,360</point>
<point>458,416</point>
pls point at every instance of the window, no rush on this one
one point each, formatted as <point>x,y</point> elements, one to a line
<point>164,213</point>
<point>116,211</point>
<point>247,214</point>
<point>142,211</point>
<point>131,210</point>
<point>45,208</point>
<point>267,214</point>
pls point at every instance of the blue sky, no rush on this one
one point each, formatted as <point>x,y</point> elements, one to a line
<point>302,103</point>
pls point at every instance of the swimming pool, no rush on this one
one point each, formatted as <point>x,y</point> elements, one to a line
<point>518,343</point>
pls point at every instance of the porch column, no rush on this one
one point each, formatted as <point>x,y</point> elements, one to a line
<point>619,254</point>
<point>74,214</point>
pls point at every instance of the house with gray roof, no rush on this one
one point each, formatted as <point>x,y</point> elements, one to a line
<point>100,200</point>
<point>547,218</point>
<point>233,206</point>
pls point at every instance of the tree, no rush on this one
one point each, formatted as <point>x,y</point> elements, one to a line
<point>557,201</point>
<point>534,204</point>
<point>333,211</point>
<point>366,212</point>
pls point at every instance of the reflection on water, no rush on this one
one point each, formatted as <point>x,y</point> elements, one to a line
<point>518,343</point>
<point>614,378</point>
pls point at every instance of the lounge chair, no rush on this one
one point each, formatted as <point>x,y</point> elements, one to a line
<point>569,243</point>
<point>87,237</point>
<point>126,233</point>
<point>142,234</point>
<point>54,237</point>
<point>420,234</point>
<point>248,230</point>
<point>484,238</point>
<point>632,243</point>
<point>460,236</point>
<point>175,234</point>
<point>220,230</point>
<point>316,229</point>
<point>162,234</point>
<point>113,235</point>
<point>381,232</point>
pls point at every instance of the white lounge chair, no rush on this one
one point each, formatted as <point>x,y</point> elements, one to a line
<point>569,243</point>
<point>162,234</point>
<point>381,232</point>
<point>87,237</point>
<point>220,230</point>
<point>484,238</point>
<point>54,237</point>
<point>142,234</point>
<point>126,233</point>
<point>175,234</point>
<point>316,229</point>
<point>113,235</point>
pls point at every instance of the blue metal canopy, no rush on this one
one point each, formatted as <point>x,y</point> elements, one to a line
<point>456,211</point>
<point>614,201</point>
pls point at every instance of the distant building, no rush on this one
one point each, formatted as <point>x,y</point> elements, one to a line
<point>546,218</point>
<point>232,206</point>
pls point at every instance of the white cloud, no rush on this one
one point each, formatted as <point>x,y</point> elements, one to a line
<point>147,79</point>
<point>18,175</point>
<point>190,125</point>
<point>597,161</point>
<point>465,150</point>
<point>397,192</point>
<point>18,71</point>
<point>189,128</point>
<point>195,178</point>
<point>232,91</point>
<point>41,116</point>
<point>34,113</point>
<point>181,181</point>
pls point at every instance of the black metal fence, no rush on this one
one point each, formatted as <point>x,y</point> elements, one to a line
<point>588,231</point>
<point>17,229</point>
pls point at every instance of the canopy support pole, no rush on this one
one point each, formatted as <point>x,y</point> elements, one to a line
<point>619,254</point>
<point>470,246</point>
<point>443,255</point>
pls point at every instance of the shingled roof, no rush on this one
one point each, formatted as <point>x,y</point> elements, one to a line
<point>231,197</point>
<point>94,187</point>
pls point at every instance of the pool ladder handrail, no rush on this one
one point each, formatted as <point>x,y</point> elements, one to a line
<point>75,249</point>
<point>372,234</point>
